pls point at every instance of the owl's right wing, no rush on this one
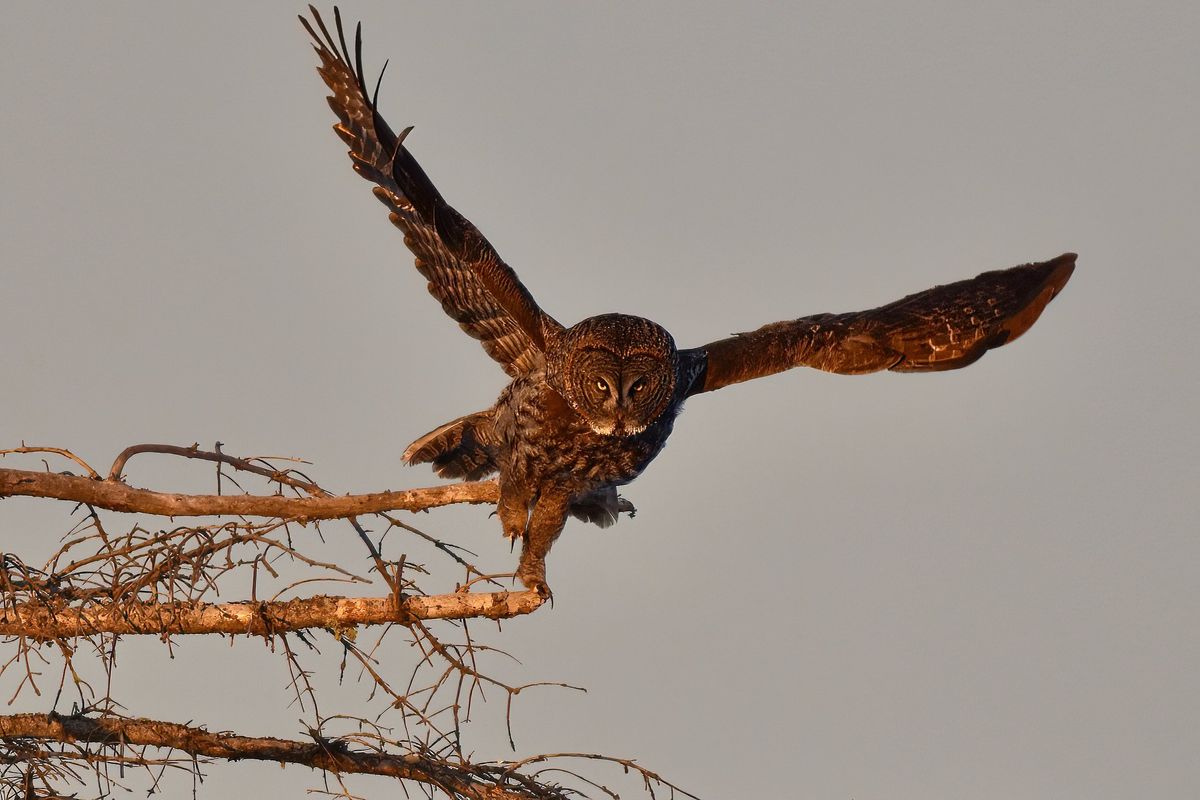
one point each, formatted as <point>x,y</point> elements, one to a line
<point>942,328</point>
<point>475,287</point>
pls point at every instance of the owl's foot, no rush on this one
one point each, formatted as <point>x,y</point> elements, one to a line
<point>542,589</point>
<point>534,579</point>
<point>626,507</point>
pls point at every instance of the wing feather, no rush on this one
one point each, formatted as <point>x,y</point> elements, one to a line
<point>466,275</point>
<point>946,327</point>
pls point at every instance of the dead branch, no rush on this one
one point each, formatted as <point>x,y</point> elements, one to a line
<point>194,451</point>
<point>331,755</point>
<point>103,584</point>
<point>116,496</point>
<point>56,451</point>
<point>44,622</point>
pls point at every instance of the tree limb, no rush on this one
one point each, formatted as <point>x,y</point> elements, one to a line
<point>194,451</point>
<point>116,496</point>
<point>332,756</point>
<point>43,621</point>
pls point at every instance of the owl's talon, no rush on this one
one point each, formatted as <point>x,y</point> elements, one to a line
<point>535,581</point>
<point>624,506</point>
<point>542,589</point>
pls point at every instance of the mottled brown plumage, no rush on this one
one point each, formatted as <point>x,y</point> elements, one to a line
<point>590,406</point>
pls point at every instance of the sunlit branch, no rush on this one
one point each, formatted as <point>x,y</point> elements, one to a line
<point>116,496</point>
<point>44,621</point>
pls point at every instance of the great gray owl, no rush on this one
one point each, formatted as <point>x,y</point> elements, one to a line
<point>591,405</point>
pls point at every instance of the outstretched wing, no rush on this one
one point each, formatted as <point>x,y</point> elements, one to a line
<point>475,287</point>
<point>945,327</point>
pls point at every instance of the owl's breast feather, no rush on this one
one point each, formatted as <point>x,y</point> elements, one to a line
<point>546,442</point>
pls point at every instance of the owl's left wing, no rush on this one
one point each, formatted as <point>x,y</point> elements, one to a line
<point>945,327</point>
<point>465,273</point>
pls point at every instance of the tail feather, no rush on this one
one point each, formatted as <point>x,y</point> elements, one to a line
<point>462,448</point>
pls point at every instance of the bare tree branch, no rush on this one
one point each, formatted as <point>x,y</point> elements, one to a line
<point>330,755</point>
<point>116,496</point>
<point>194,451</point>
<point>44,622</point>
<point>102,584</point>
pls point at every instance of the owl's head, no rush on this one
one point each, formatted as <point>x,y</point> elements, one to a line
<point>615,371</point>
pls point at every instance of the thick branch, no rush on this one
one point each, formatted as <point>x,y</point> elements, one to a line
<point>44,622</point>
<point>324,755</point>
<point>117,496</point>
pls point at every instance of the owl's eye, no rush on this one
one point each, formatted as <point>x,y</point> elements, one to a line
<point>602,385</point>
<point>637,386</point>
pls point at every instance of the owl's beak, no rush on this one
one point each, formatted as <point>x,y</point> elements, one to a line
<point>619,424</point>
<point>614,428</point>
<point>620,428</point>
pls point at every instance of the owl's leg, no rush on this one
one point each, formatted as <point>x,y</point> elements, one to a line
<point>513,510</point>
<point>545,524</point>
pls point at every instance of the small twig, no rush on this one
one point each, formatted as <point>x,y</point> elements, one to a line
<point>57,450</point>
<point>648,777</point>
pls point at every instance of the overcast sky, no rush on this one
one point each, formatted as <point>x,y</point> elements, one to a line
<point>976,584</point>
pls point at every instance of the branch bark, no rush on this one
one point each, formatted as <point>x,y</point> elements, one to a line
<point>332,756</point>
<point>42,621</point>
<point>116,496</point>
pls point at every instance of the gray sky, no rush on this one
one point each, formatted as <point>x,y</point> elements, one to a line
<point>975,584</point>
